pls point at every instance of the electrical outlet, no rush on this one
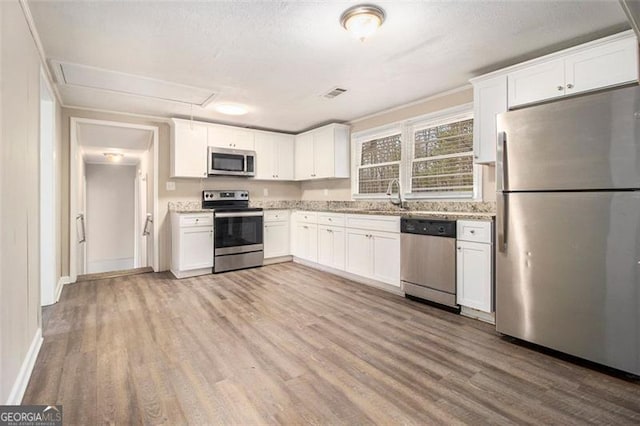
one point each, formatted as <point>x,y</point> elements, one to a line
<point>265,192</point>
<point>326,192</point>
<point>171,186</point>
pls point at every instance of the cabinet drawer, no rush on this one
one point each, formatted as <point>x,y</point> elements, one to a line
<point>200,219</point>
<point>276,216</point>
<point>474,230</point>
<point>378,223</point>
<point>331,219</point>
<point>307,217</point>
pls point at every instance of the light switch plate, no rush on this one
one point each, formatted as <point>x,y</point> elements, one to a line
<point>265,192</point>
<point>171,186</point>
<point>326,192</point>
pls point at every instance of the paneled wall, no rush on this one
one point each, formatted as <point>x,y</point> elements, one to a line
<point>20,316</point>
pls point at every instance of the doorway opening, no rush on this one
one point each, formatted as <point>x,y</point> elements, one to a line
<point>113,198</point>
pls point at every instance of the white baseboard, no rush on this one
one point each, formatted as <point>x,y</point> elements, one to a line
<point>61,283</point>
<point>20,385</point>
<point>352,277</point>
<point>279,259</point>
<point>192,273</point>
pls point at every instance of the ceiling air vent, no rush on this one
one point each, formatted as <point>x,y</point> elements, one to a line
<point>334,92</point>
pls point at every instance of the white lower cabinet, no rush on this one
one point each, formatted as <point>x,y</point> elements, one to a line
<point>331,242</point>
<point>276,233</point>
<point>276,239</point>
<point>386,258</point>
<point>306,241</point>
<point>474,263</point>
<point>374,255</point>
<point>364,245</point>
<point>192,244</point>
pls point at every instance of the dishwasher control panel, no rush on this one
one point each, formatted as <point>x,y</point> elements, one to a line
<point>439,228</point>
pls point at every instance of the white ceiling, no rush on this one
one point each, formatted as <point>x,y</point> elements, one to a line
<point>95,139</point>
<point>279,57</point>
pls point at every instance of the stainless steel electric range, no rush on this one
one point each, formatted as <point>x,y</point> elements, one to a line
<point>238,230</point>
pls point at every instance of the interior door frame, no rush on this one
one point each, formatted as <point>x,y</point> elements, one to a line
<point>73,183</point>
<point>50,285</point>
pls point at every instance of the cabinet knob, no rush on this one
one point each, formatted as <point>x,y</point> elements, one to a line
<point>569,86</point>
<point>459,248</point>
<point>473,231</point>
<point>330,220</point>
<point>560,88</point>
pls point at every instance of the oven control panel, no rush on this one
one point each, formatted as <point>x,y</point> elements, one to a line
<point>215,195</point>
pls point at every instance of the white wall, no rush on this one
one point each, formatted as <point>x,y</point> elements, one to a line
<point>110,217</point>
<point>20,318</point>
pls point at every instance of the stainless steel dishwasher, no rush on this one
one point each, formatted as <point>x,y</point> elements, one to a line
<point>428,260</point>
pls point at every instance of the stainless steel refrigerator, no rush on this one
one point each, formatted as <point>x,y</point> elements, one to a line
<point>568,226</point>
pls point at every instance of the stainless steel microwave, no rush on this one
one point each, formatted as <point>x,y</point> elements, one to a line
<point>231,162</point>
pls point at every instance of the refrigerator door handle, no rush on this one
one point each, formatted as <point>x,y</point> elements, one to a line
<point>503,214</point>
<point>501,166</point>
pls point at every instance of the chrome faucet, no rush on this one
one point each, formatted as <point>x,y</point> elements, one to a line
<point>399,201</point>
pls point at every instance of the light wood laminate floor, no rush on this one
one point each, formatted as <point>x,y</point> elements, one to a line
<point>286,344</point>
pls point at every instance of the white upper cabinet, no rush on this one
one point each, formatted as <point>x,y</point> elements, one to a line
<point>188,149</point>
<point>322,153</point>
<point>608,62</point>
<point>490,100</point>
<point>304,161</point>
<point>230,137</point>
<point>536,83</point>
<point>602,66</point>
<point>274,156</point>
<point>611,61</point>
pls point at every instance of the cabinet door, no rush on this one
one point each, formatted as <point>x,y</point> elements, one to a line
<point>196,248</point>
<point>489,100</point>
<point>219,136</point>
<point>189,150</point>
<point>359,260</point>
<point>304,166</point>
<point>276,239</point>
<point>331,243</point>
<point>323,152</point>
<point>474,276</point>
<point>242,139</point>
<point>266,153</point>
<point>536,83</point>
<point>607,65</point>
<point>284,159</point>
<point>306,241</point>
<point>386,258</point>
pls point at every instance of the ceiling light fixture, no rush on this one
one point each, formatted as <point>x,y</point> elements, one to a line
<point>231,109</point>
<point>113,157</point>
<point>363,20</point>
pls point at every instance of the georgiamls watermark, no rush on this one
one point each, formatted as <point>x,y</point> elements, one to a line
<point>30,415</point>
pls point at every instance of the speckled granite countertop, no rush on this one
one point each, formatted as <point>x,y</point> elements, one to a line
<point>446,210</point>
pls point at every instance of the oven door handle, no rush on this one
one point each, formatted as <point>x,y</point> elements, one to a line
<point>239,214</point>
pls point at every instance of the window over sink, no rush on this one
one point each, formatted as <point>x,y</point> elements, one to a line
<point>431,155</point>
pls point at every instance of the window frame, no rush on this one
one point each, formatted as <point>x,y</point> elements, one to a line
<point>407,129</point>
<point>357,139</point>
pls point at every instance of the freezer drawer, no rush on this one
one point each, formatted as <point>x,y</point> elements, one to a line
<point>589,142</point>
<point>567,273</point>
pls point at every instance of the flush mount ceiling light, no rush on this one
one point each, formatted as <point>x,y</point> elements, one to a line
<point>363,20</point>
<point>231,109</point>
<point>113,157</point>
